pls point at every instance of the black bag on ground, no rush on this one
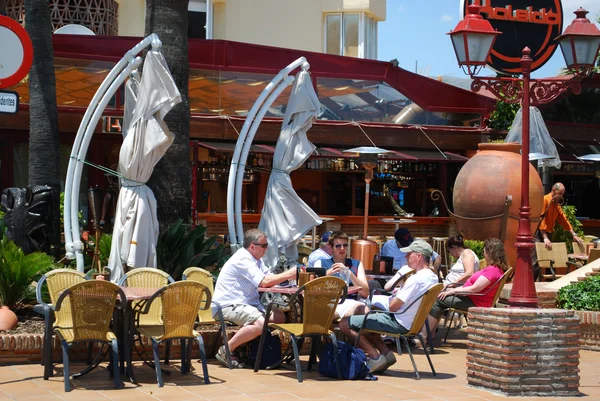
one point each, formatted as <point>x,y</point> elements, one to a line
<point>271,351</point>
<point>352,360</point>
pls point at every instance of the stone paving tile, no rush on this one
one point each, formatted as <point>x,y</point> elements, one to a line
<point>25,383</point>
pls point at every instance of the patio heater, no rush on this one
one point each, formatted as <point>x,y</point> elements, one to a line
<point>364,249</point>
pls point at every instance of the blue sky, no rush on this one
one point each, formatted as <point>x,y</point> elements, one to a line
<point>415,31</point>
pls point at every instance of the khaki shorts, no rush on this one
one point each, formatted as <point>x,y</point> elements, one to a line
<point>241,314</point>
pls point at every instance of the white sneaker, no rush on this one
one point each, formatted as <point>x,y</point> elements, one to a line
<point>378,364</point>
<point>390,359</point>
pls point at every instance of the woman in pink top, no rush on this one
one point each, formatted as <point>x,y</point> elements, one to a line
<point>479,283</point>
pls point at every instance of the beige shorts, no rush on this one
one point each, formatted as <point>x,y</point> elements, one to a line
<point>345,307</point>
<point>241,314</point>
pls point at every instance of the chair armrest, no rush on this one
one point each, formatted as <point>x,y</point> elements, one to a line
<point>43,308</point>
<point>376,291</point>
<point>146,307</point>
<point>547,260</point>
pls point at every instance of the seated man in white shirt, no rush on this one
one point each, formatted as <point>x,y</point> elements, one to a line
<point>237,291</point>
<point>324,251</point>
<point>418,255</point>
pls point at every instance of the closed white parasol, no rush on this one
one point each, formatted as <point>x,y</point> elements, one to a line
<point>286,217</point>
<point>147,138</point>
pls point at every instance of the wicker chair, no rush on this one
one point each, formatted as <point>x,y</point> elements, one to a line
<point>56,281</point>
<point>498,286</point>
<point>205,315</point>
<point>427,300</point>
<point>90,305</point>
<point>180,303</point>
<point>321,297</point>
<point>147,277</point>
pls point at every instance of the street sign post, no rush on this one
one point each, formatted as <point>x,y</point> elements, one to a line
<point>16,53</point>
<point>9,102</point>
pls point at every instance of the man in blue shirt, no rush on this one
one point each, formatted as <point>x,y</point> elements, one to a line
<point>402,239</point>
<point>391,248</point>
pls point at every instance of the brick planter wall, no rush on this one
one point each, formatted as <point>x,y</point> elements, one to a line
<point>524,352</point>
<point>27,348</point>
<point>590,330</point>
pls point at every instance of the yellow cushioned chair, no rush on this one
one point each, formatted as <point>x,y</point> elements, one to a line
<point>91,305</point>
<point>180,303</point>
<point>205,315</point>
<point>321,297</point>
<point>147,277</point>
<point>427,300</point>
<point>56,281</point>
<point>497,287</point>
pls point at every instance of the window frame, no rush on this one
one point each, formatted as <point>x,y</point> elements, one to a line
<point>367,34</point>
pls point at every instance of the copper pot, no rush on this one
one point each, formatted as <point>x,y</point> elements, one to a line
<point>364,250</point>
<point>481,188</point>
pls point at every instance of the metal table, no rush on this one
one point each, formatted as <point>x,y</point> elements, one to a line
<point>397,222</point>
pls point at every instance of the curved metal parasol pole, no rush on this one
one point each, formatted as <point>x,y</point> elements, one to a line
<point>109,86</point>
<point>242,148</point>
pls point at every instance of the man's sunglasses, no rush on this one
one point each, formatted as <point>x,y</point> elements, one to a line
<point>264,246</point>
<point>338,246</point>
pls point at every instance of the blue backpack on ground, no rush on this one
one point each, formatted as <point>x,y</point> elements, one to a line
<point>271,351</point>
<point>352,360</point>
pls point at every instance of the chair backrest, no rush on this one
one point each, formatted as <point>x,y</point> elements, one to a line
<point>402,279</point>
<point>92,304</point>
<point>180,304</point>
<point>594,255</point>
<point>57,281</point>
<point>147,277</point>
<point>205,278</point>
<point>558,254</point>
<point>321,297</point>
<point>427,300</point>
<point>579,248</point>
<point>501,283</point>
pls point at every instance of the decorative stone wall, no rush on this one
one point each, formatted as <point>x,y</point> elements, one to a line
<point>524,352</point>
<point>590,330</point>
<point>101,16</point>
<point>27,348</point>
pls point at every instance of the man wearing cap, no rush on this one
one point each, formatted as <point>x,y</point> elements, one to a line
<point>323,252</point>
<point>418,255</point>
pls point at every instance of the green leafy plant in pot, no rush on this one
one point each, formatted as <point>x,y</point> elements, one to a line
<point>184,245</point>
<point>18,273</point>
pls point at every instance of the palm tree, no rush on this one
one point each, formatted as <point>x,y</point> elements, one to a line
<point>44,136</point>
<point>171,179</point>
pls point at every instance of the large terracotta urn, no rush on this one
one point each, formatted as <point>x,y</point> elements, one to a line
<point>8,319</point>
<point>480,191</point>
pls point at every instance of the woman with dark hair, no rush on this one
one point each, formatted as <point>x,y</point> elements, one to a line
<point>479,283</point>
<point>467,262</point>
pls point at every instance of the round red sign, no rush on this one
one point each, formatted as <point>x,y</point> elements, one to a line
<point>531,23</point>
<point>17,52</point>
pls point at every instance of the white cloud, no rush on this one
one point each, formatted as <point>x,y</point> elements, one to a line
<point>593,6</point>
<point>446,18</point>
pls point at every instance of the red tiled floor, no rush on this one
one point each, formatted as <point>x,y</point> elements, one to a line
<point>25,383</point>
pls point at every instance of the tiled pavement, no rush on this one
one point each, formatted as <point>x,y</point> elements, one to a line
<point>24,383</point>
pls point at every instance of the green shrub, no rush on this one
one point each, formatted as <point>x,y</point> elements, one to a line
<point>560,235</point>
<point>476,246</point>
<point>183,246</point>
<point>18,272</point>
<point>583,295</point>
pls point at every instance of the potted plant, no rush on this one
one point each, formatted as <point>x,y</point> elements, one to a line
<point>18,272</point>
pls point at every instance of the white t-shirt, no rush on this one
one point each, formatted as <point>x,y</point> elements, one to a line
<point>317,254</point>
<point>414,287</point>
<point>458,269</point>
<point>239,279</point>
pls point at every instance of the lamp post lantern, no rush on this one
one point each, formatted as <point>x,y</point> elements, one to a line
<point>580,44</point>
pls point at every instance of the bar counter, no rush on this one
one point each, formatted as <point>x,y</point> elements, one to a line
<point>423,226</point>
<point>351,225</point>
